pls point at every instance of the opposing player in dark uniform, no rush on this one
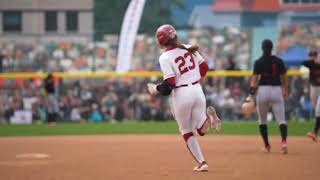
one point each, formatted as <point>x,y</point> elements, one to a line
<point>52,102</point>
<point>272,90</point>
<point>314,78</point>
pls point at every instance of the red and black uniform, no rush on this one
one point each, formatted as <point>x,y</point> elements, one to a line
<point>270,68</point>
<point>314,79</point>
<point>52,101</point>
<point>314,73</point>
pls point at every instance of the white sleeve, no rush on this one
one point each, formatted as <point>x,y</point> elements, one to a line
<point>166,68</point>
<point>198,57</point>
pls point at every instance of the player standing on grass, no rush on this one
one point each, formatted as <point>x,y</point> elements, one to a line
<point>183,67</point>
<point>314,78</point>
<point>272,91</point>
<point>52,102</point>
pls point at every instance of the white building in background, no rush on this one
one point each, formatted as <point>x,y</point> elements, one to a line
<point>46,20</point>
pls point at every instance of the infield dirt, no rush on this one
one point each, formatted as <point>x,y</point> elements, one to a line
<point>155,157</point>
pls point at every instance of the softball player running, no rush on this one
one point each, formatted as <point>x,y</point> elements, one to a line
<point>314,78</point>
<point>182,68</point>
<point>273,89</point>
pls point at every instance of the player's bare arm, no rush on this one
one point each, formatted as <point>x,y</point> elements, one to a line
<point>248,107</point>
<point>253,83</point>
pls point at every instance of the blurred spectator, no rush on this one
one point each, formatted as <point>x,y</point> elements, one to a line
<point>64,56</point>
<point>306,107</point>
<point>95,115</point>
<point>118,99</point>
<point>75,115</point>
<point>108,103</point>
<point>306,35</point>
<point>29,99</point>
<point>231,65</point>
<point>2,120</point>
<point>1,57</point>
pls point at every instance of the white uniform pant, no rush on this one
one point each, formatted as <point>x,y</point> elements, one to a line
<point>270,96</point>
<point>52,104</point>
<point>314,96</point>
<point>317,110</point>
<point>189,107</point>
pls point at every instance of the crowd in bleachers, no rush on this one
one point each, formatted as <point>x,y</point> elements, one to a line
<point>119,99</point>
<point>86,99</point>
<point>306,35</point>
<point>101,56</point>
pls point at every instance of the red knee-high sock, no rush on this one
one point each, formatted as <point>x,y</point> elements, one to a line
<point>193,147</point>
<point>203,129</point>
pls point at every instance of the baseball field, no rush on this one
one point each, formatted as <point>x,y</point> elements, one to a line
<point>151,150</point>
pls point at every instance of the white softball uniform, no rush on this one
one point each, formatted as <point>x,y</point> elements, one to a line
<point>188,100</point>
<point>317,110</point>
<point>314,94</point>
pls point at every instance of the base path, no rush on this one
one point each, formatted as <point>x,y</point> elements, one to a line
<point>154,157</point>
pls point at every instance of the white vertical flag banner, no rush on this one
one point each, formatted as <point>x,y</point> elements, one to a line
<point>129,29</point>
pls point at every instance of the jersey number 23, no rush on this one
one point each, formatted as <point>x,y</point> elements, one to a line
<point>181,61</point>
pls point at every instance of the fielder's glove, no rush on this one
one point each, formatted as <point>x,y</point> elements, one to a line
<point>152,88</point>
<point>248,106</point>
<point>163,88</point>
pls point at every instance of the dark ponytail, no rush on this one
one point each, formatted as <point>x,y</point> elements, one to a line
<point>174,43</point>
<point>191,49</point>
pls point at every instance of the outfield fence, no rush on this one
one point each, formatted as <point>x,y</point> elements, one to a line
<point>26,75</point>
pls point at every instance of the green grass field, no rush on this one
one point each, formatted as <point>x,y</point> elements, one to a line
<point>168,127</point>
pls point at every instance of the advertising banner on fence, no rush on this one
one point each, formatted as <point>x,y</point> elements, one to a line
<point>129,29</point>
<point>21,117</point>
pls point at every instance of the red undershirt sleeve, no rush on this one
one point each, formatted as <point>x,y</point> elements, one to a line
<point>203,68</point>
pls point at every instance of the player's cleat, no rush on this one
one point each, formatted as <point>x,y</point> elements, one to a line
<point>266,149</point>
<point>214,119</point>
<point>203,167</point>
<point>312,135</point>
<point>284,147</point>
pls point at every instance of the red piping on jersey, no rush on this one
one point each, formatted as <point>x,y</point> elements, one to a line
<point>203,68</point>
